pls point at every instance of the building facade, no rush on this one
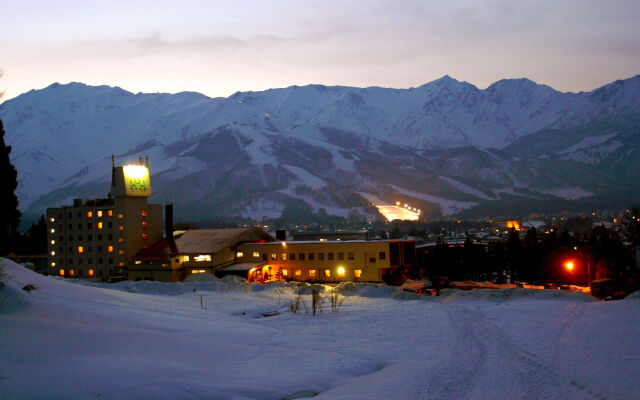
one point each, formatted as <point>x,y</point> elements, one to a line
<point>328,261</point>
<point>95,238</point>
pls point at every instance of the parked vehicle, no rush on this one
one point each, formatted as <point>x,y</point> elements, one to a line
<point>607,289</point>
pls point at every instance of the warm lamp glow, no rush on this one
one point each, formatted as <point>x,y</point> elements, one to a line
<point>340,271</point>
<point>569,265</point>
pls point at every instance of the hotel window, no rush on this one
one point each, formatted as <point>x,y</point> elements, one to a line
<point>144,213</point>
<point>110,213</point>
<point>327,273</point>
<point>110,249</point>
<point>99,249</point>
<point>382,255</point>
<point>71,272</point>
<point>285,272</point>
<point>110,260</point>
<point>121,252</point>
<point>340,256</point>
<point>53,253</point>
<point>89,225</point>
<point>292,256</point>
<point>121,264</point>
<point>90,272</point>
<point>357,273</point>
<point>312,273</point>
<point>109,224</point>
<point>110,236</point>
<point>80,272</point>
<point>69,215</point>
<point>239,254</point>
<point>264,256</point>
<point>100,261</point>
<point>52,230</point>
<point>301,256</point>
<point>185,258</point>
<point>53,264</point>
<point>61,272</point>
<point>99,236</point>
<point>52,219</point>
<point>255,254</point>
<point>320,256</point>
<point>372,259</point>
<point>99,215</point>
<point>79,226</point>
<point>144,224</point>
<point>350,256</point>
<point>145,236</point>
<point>312,256</point>
<point>99,225</point>
<point>121,228</point>
<point>202,257</point>
<point>89,214</point>
<point>284,256</point>
<point>79,214</point>
<point>80,249</point>
<point>89,237</point>
<point>274,256</point>
<point>197,271</point>
<point>120,216</point>
<point>120,240</point>
<point>80,237</point>
<point>298,272</point>
<point>329,256</point>
<point>70,227</point>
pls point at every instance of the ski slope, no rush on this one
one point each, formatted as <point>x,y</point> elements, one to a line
<point>150,340</point>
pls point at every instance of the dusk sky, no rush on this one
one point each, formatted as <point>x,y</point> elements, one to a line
<point>218,48</point>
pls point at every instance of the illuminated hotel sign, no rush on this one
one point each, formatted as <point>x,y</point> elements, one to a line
<point>136,180</point>
<point>131,180</point>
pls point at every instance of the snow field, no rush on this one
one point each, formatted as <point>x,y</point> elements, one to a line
<point>150,340</point>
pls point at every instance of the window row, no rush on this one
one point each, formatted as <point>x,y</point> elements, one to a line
<point>309,256</point>
<point>327,273</point>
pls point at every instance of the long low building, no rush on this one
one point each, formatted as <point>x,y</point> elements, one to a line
<point>325,261</point>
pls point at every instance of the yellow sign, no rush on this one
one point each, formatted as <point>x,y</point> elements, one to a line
<point>136,180</point>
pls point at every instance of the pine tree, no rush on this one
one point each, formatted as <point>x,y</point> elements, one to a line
<point>9,214</point>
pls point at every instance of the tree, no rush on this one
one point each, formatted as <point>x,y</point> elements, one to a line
<point>9,214</point>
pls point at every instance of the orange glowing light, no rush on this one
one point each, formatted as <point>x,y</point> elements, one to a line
<point>397,203</point>
<point>569,265</point>
<point>513,224</point>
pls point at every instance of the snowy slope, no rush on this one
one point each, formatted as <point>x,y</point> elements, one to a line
<point>63,136</point>
<point>149,340</point>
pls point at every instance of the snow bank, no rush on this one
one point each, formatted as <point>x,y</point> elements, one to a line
<point>501,295</point>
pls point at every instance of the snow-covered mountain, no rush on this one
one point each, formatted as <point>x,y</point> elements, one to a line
<point>446,145</point>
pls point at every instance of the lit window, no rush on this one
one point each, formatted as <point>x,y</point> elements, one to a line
<point>80,249</point>
<point>99,215</point>
<point>121,252</point>
<point>89,214</point>
<point>53,242</point>
<point>202,257</point>
<point>52,219</point>
<point>53,264</point>
<point>357,273</point>
<point>197,271</point>
<point>53,253</point>
<point>90,272</point>
<point>340,271</point>
<point>312,272</point>
<point>61,272</point>
<point>144,224</point>
<point>144,213</point>
<point>71,272</point>
<point>145,236</point>
<point>110,213</point>
<point>256,254</point>
<point>327,273</point>
<point>298,272</point>
<point>284,256</point>
<point>185,258</point>
<point>120,264</point>
<point>99,225</point>
<point>274,256</point>
<point>120,240</point>
<point>239,254</point>
<point>120,216</point>
<point>138,262</point>
<point>120,228</point>
<point>285,272</point>
<point>52,230</point>
<point>110,249</point>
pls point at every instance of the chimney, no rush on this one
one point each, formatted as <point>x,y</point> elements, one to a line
<point>168,222</point>
<point>281,235</point>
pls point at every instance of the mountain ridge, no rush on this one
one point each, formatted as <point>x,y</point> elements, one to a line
<point>63,136</point>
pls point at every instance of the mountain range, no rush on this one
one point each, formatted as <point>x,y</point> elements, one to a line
<point>446,147</point>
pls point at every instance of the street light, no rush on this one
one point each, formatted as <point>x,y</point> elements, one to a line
<point>569,265</point>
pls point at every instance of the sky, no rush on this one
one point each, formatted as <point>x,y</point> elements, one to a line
<point>220,47</point>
